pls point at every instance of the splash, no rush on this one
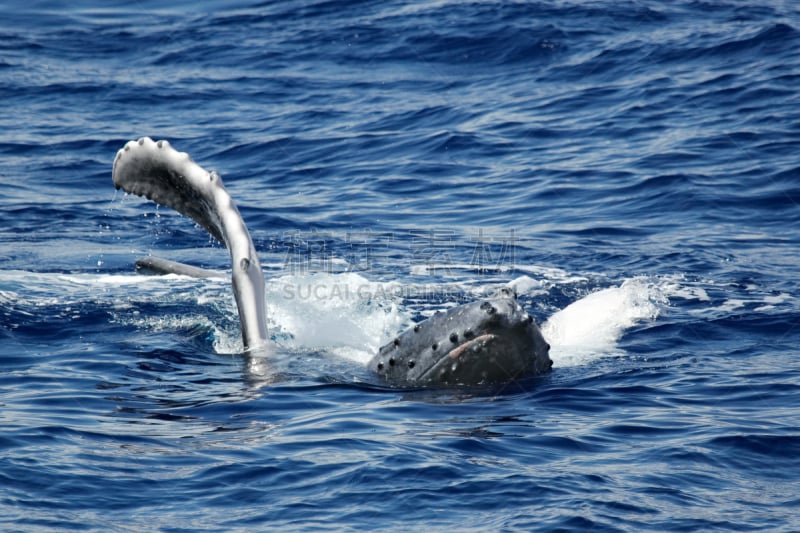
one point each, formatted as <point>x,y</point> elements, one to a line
<point>590,327</point>
<point>344,314</point>
<point>350,316</point>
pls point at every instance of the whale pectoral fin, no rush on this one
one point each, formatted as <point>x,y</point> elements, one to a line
<point>170,178</point>
<point>159,266</point>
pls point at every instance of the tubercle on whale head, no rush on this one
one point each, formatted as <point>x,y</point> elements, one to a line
<point>487,341</point>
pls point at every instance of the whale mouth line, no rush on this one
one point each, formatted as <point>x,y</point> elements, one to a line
<point>456,352</point>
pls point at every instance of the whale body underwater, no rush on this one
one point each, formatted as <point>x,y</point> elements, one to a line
<point>489,341</point>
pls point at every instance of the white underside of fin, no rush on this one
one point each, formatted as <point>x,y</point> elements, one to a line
<point>170,178</point>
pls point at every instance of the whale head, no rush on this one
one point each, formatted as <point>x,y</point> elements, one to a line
<point>483,342</point>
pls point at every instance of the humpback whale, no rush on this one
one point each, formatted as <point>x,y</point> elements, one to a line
<point>489,341</point>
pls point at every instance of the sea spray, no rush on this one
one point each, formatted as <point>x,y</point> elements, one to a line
<point>590,327</point>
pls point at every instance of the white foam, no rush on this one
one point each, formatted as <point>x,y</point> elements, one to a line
<point>450,269</point>
<point>529,286</point>
<point>552,275</point>
<point>678,287</point>
<point>345,314</point>
<point>348,315</point>
<point>770,302</point>
<point>590,327</point>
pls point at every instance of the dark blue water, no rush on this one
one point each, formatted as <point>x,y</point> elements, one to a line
<point>632,169</point>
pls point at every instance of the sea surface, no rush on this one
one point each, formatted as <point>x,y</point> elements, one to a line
<point>631,169</point>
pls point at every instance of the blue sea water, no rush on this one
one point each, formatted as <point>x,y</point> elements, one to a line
<point>632,169</point>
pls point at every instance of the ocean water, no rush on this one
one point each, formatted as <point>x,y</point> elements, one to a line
<point>631,169</point>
